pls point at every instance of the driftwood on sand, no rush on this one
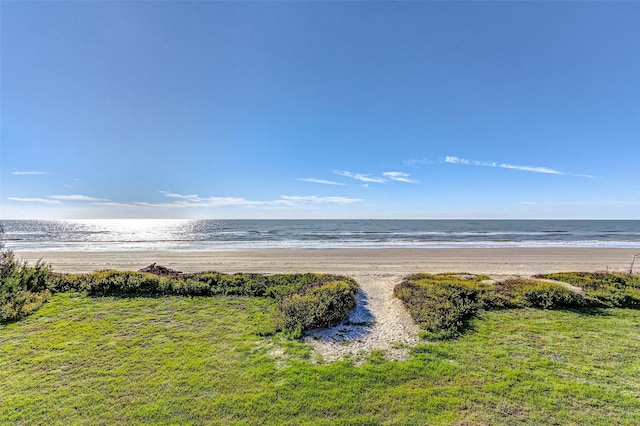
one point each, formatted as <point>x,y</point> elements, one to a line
<point>161,271</point>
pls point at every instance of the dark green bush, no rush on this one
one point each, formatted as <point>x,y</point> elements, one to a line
<point>316,305</point>
<point>230,285</point>
<point>254,285</point>
<point>21,303</point>
<point>110,282</point>
<point>60,283</point>
<point>442,304</point>
<point>14,272</point>
<point>283,284</point>
<point>23,288</point>
<point>539,294</point>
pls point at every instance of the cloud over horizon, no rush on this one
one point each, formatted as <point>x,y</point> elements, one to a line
<point>182,201</point>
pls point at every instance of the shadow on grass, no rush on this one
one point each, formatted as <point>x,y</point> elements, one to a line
<point>591,311</point>
<point>145,295</point>
<point>356,326</point>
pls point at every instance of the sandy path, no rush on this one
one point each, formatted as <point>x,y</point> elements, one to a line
<point>379,321</point>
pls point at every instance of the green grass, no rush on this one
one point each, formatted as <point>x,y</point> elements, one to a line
<point>201,360</point>
<point>305,301</point>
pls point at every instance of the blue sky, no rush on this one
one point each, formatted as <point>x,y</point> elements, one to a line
<point>320,109</point>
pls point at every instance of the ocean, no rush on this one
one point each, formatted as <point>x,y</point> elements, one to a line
<point>151,234</point>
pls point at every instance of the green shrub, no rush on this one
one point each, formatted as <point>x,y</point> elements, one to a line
<point>31,278</point>
<point>442,304</point>
<point>111,282</point>
<point>183,287</point>
<point>539,294</point>
<point>280,285</point>
<point>21,303</point>
<point>23,288</point>
<point>254,285</point>
<point>60,283</point>
<point>608,290</point>
<point>316,305</point>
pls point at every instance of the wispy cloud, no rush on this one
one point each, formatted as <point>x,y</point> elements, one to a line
<point>533,169</point>
<point>28,173</point>
<point>399,177</point>
<point>34,200</point>
<point>318,200</point>
<point>359,176</point>
<point>176,201</point>
<point>368,178</point>
<point>57,199</point>
<point>193,198</point>
<point>197,201</point>
<point>415,161</point>
<point>75,197</point>
<point>321,181</point>
<point>114,204</point>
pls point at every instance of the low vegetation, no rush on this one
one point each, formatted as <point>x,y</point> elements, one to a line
<point>316,305</point>
<point>538,294</point>
<point>605,289</point>
<point>23,288</point>
<point>443,304</point>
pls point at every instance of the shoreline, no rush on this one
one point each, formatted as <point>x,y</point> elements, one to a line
<point>493,261</point>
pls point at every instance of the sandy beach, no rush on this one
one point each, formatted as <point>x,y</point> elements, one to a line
<point>495,261</point>
<point>379,321</point>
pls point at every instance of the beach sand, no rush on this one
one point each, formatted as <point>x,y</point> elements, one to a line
<point>497,261</point>
<point>379,321</point>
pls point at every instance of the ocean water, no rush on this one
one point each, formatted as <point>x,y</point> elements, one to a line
<point>143,234</point>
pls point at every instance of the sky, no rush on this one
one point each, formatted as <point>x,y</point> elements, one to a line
<point>399,110</point>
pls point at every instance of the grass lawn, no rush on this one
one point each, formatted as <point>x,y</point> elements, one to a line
<point>201,360</point>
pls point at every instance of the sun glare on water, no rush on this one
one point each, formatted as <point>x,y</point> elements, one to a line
<point>137,229</point>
